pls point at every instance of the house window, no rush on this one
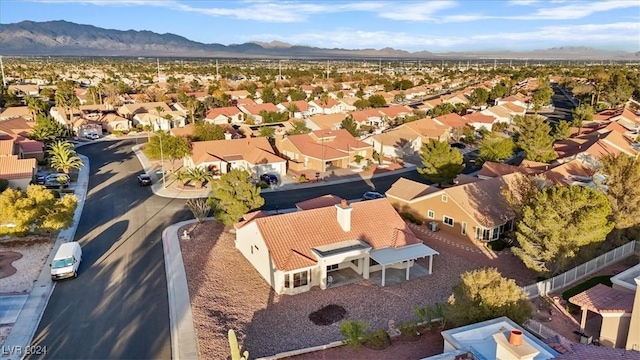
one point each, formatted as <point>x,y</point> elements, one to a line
<point>287,282</point>
<point>496,233</point>
<point>464,228</point>
<point>486,234</point>
<point>300,279</point>
<point>448,221</point>
<point>431,214</point>
<point>509,225</point>
<point>444,198</point>
<point>332,267</point>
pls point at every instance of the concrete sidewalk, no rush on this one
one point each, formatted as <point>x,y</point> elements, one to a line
<point>184,344</point>
<point>171,190</point>
<point>24,328</point>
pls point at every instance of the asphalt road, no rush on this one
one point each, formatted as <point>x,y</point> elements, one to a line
<point>562,106</point>
<point>117,307</point>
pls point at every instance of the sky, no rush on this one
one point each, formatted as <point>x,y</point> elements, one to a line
<point>436,26</point>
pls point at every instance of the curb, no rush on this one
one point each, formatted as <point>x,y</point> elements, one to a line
<point>24,329</point>
<point>184,344</point>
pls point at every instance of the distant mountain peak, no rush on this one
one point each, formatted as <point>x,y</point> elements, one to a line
<point>272,45</point>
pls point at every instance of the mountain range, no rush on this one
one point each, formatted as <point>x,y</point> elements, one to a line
<point>63,38</point>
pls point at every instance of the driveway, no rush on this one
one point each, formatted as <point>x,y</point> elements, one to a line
<point>117,307</point>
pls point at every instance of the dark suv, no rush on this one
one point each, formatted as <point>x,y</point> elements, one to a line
<point>144,180</point>
<point>269,179</point>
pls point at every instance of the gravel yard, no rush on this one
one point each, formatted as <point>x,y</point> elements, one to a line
<point>226,292</point>
<point>34,250</point>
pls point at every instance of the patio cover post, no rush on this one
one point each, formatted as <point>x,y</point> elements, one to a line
<point>323,276</point>
<point>583,321</point>
<point>408,267</point>
<point>365,266</point>
<point>383,272</point>
<point>430,264</point>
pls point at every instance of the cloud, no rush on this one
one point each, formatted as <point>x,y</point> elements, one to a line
<point>579,10</point>
<point>415,11</point>
<point>522,2</point>
<point>590,34</point>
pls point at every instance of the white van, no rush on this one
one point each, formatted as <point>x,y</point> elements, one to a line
<point>66,261</point>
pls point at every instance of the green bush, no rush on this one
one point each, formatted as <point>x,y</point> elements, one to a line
<point>418,222</point>
<point>302,179</point>
<point>55,194</point>
<point>263,185</point>
<point>496,245</point>
<point>354,333</point>
<point>408,328</point>
<point>358,159</point>
<point>4,185</point>
<point>379,338</point>
<point>408,216</point>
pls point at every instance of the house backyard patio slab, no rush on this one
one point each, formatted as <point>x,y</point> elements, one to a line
<point>227,293</point>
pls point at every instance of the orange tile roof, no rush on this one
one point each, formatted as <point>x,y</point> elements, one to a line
<point>558,174</point>
<point>11,167</point>
<point>454,120</point>
<point>31,146</point>
<point>15,111</point>
<point>291,237</point>
<point>513,107</point>
<point>319,202</point>
<point>327,121</point>
<point>225,111</point>
<point>6,147</point>
<point>478,117</point>
<point>408,190</point>
<point>603,299</point>
<point>215,150</point>
<point>300,104</point>
<point>336,144</point>
<point>245,102</point>
<point>394,111</point>
<point>326,105</point>
<point>494,169</point>
<point>427,127</point>
<point>16,127</point>
<point>257,108</point>
<point>185,131</point>
<point>607,114</point>
<point>364,115</point>
<point>534,165</point>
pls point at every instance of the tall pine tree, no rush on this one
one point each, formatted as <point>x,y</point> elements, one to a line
<point>234,196</point>
<point>441,162</point>
<point>534,138</point>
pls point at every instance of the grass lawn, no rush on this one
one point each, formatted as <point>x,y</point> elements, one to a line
<point>605,279</point>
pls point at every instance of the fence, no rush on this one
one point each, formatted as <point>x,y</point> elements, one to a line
<point>537,328</point>
<point>543,288</point>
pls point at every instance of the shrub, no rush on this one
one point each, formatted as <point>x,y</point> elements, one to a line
<point>496,245</point>
<point>302,179</point>
<point>55,194</point>
<point>263,185</point>
<point>379,338</point>
<point>354,333</point>
<point>418,222</point>
<point>366,167</point>
<point>117,133</point>
<point>408,328</point>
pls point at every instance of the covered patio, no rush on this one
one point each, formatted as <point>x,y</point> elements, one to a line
<point>614,306</point>
<point>401,258</point>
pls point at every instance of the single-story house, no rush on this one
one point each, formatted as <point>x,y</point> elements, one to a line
<point>476,210</point>
<point>318,241</point>
<point>224,115</point>
<point>303,109</point>
<point>19,172</point>
<point>408,138</point>
<point>255,155</point>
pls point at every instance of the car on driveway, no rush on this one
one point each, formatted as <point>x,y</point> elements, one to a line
<point>270,179</point>
<point>372,195</point>
<point>92,136</point>
<point>459,146</point>
<point>56,180</point>
<point>144,180</point>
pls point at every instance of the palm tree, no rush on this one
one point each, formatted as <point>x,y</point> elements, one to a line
<point>159,110</point>
<point>199,176</point>
<point>63,157</point>
<point>292,108</point>
<point>182,176</point>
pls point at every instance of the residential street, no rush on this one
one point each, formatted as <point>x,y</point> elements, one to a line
<point>117,307</point>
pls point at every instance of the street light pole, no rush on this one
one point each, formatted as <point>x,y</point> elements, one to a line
<point>164,185</point>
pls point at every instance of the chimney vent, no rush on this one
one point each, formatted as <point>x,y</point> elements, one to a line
<point>343,215</point>
<point>515,338</point>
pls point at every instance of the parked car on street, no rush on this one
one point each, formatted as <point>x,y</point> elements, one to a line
<point>92,136</point>
<point>269,179</point>
<point>144,180</point>
<point>372,195</point>
<point>459,146</point>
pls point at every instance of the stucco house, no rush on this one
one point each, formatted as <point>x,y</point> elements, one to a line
<point>254,155</point>
<point>318,241</point>
<point>480,121</point>
<point>475,210</point>
<point>322,149</point>
<point>408,138</point>
<point>224,115</point>
<point>303,109</point>
<point>327,107</point>
<point>255,110</point>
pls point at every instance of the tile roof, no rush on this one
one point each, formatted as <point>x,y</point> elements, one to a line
<point>336,144</point>
<point>291,237</point>
<point>408,190</point>
<point>257,108</point>
<point>300,104</point>
<point>494,169</point>
<point>225,111</point>
<point>514,108</point>
<point>483,200</point>
<point>184,131</point>
<point>364,115</point>
<point>146,107</point>
<point>397,137</point>
<point>454,120</point>
<point>319,202</point>
<point>327,121</point>
<point>394,111</point>
<point>11,167</point>
<point>15,111</point>
<point>6,147</point>
<point>558,174</point>
<point>245,102</point>
<point>253,150</point>
<point>325,105</point>
<point>31,146</point>
<point>603,299</point>
<point>593,352</point>
<point>500,111</point>
<point>478,117</point>
<point>427,127</point>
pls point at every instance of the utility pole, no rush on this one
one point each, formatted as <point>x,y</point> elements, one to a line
<point>327,70</point>
<point>494,64</point>
<point>379,66</point>
<point>164,185</point>
<point>279,70</point>
<point>4,81</point>
<point>217,76</point>
<point>158,63</point>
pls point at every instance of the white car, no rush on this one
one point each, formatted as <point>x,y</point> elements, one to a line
<point>93,136</point>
